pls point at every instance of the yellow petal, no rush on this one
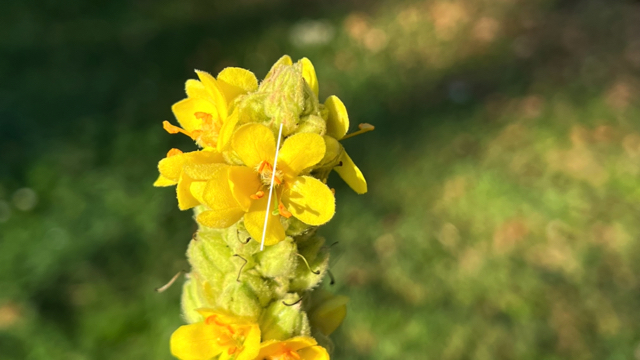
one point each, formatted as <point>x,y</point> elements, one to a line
<point>309,200</point>
<point>244,182</point>
<point>313,353</point>
<point>204,172</point>
<point>194,88</point>
<point>254,222</point>
<point>284,60</point>
<point>330,314</point>
<point>171,167</point>
<point>226,131</point>
<point>350,173</point>
<point>251,345</point>
<point>195,342</point>
<point>300,342</point>
<point>235,81</point>
<point>197,190</point>
<point>185,199</point>
<point>163,181</point>
<point>299,152</point>
<point>185,111</point>
<point>338,121</point>
<point>213,89</point>
<point>254,143</point>
<point>224,209</point>
<point>274,348</point>
<point>220,218</point>
<point>309,74</point>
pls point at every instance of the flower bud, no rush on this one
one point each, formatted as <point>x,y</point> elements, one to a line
<point>284,319</point>
<point>277,260</point>
<point>312,124</point>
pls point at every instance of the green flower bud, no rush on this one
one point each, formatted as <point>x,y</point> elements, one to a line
<point>239,299</point>
<point>277,260</point>
<point>191,301</point>
<point>209,254</point>
<point>284,319</point>
<point>312,124</point>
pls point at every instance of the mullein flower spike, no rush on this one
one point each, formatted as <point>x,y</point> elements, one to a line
<point>239,302</point>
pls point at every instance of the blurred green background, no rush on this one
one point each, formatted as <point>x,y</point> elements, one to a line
<point>503,216</point>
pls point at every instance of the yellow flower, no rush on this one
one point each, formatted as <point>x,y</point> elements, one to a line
<point>205,114</point>
<point>337,127</point>
<point>297,348</point>
<point>189,171</point>
<point>243,190</point>
<point>219,334</point>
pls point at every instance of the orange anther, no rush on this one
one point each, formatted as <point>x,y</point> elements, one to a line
<point>257,195</point>
<point>205,117</point>
<point>174,152</point>
<point>171,129</point>
<point>232,350</point>
<point>283,211</point>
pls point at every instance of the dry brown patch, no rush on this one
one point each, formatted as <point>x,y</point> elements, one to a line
<point>509,234</point>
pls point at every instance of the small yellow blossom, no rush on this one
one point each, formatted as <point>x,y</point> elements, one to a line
<point>297,348</point>
<point>219,334</point>
<point>243,191</point>
<point>207,108</point>
<point>188,171</point>
<point>337,127</point>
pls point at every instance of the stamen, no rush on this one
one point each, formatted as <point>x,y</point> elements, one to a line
<point>168,285</point>
<point>232,350</point>
<point>309,267</point>
<point>364,127</point>
<point>257,195</point>
<point>205,117</point>
<point>297,301</point>
<point>283,211</point>
<point>174,152</point>
<point>333,191</point>
<point>241,267</point>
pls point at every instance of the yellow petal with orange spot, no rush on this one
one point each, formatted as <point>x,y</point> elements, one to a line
<point>235,81</point>
<point>309,200</point>
<point>350,173</point>
<point>194,88</point>
<point>197,341</point>
<point>313,353</point>
<point>213,88</point>
<point>338,121</point>
<point>185,111</point>
<point>226,131</point>
<point>284,60</point>
<point>275,348</point>
<point>254,222</point>
<point>254,143</point>
<point>251,344</point>
<point>163,181</point>
<point>309,74</point>
<point>299,152</point>
<point>244,182</point>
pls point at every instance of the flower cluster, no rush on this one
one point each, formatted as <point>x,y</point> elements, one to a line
<point>243,302</point>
